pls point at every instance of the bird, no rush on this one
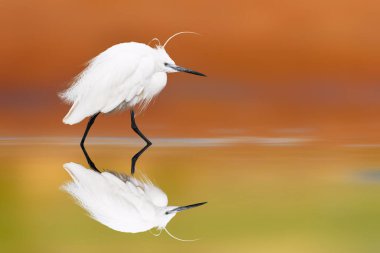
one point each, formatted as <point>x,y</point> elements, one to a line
<point>125,76</point>
<point>121,202</point>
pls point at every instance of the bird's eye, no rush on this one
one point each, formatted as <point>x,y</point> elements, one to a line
<point>166,64</point>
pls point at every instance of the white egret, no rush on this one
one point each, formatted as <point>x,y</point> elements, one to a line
<point>121,202</point>
<point>124,76</point>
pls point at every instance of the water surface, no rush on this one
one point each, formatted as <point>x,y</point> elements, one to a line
<point>264,196</point>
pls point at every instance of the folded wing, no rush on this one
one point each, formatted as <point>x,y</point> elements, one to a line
<point>110,79</point>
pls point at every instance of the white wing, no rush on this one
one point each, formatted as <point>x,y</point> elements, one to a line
<point>121,205</point>
<point>116,75</point>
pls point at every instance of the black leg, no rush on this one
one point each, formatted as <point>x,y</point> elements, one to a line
<point>89,124</point>
<point>148,143</point>
<point>137,130</point>
<point>136,157</point>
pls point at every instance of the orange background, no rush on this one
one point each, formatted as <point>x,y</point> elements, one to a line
<point>306,68</point>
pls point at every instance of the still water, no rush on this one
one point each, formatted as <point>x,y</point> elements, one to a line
<point>262,197</point>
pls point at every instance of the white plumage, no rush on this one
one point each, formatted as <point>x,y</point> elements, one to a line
<point>123,76</point>
<point>122,203</point>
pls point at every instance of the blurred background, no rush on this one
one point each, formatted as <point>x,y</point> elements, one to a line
<point>282,138</point>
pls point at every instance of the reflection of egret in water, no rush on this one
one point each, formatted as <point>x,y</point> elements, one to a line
<point>123,203</point>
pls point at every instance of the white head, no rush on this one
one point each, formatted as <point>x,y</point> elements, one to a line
<point>165,63</point>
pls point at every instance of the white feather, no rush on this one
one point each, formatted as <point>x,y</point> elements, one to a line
<point>122,76</point>
<point>120,202</point>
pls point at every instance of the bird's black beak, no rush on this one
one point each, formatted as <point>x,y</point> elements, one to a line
<point>180,69</point>
<point>183,208</point>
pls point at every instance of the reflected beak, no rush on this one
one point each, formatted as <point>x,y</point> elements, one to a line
<point>183,208</point>
<point>180,69</point>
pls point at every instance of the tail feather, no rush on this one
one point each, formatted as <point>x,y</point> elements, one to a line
<point>77,113</point>
<point>80,174</point>
<point>73,117</point>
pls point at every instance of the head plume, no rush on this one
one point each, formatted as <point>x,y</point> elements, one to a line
<point>176,34</point>
<point>172,236</point>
